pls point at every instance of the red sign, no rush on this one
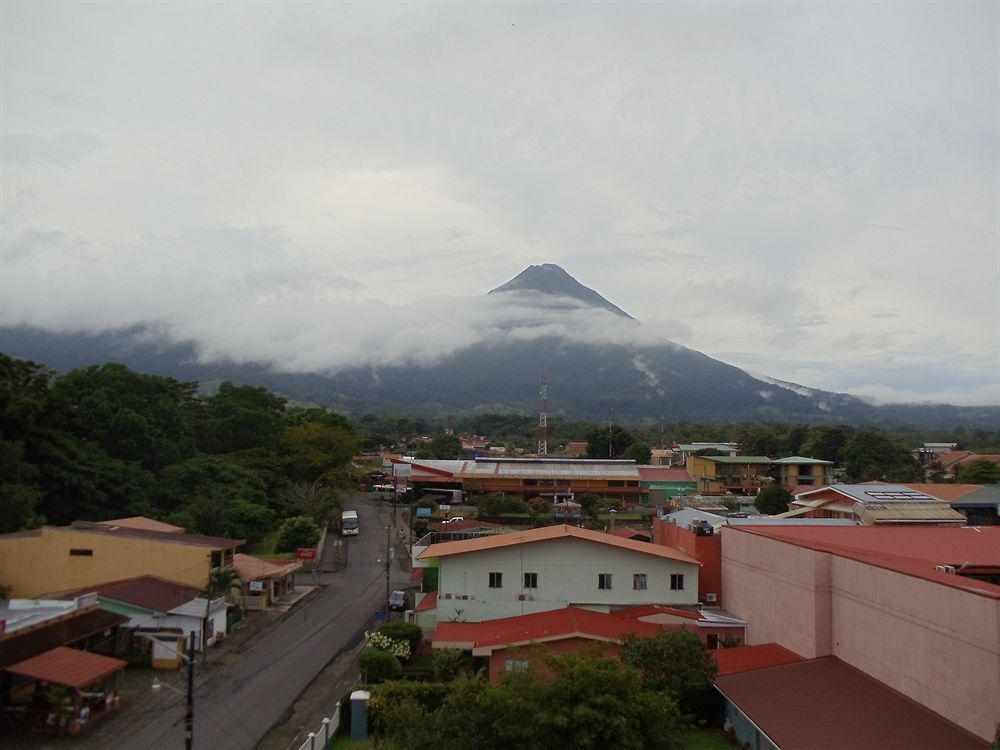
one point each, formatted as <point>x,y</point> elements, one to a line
<point>305,553</point>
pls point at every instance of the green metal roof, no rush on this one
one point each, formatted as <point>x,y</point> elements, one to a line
<point>738,459</point>
<point>802,460</point>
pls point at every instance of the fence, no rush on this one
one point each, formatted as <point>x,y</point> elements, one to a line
<point>323,737</point>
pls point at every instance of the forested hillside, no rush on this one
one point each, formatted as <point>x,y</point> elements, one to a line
<point>105,442</point>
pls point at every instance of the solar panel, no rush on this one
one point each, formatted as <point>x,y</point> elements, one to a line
<point>910,496</point>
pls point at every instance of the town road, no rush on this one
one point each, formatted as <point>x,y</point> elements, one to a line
<point>239,701</point>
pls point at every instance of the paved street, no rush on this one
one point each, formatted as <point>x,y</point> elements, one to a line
<point>238,701</point>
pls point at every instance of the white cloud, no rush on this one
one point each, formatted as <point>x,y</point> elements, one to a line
<point>806,190</point>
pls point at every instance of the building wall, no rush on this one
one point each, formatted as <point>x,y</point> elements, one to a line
<point>820,474</point>
<point>705,549</point>
<point>36,565</point>
<point>567,574</point>
<point>936,644</point>
<point>782,591</point>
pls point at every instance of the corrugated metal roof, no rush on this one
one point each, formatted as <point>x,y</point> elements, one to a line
<point>870,513</point>
<point>149,592</point>
<point>68,666</point>
<point>802,706</point>
<point>874,493</point>
<point>552,468</point>
<point>802,460</point>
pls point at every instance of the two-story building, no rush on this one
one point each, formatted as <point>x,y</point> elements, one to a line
<point>716,475</point>
<point>504,575</point>
<point>797,471</point>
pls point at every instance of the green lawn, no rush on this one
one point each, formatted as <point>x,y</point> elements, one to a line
<point>265,548</point>
<point>705,739</point>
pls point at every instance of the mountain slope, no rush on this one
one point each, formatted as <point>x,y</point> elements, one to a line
<point>589,377</point>
<point>549,280</point>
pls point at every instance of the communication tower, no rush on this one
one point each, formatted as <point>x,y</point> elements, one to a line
<point>543,417</point>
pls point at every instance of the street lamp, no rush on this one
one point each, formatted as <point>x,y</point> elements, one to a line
<point>157,685</point>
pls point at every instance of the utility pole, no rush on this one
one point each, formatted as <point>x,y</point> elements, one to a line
<point>189,711</point>
<point>388,549</point>
<point>543,416</point>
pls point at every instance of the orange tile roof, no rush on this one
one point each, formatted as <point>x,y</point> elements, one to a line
<point>539,627</point>
<point>428,602</point>
<point>143,524</point>
<point>645,610</point>
<point>949,458</point>
<point>909,549</point>
<point>993,458</point>
<point>747,658</point>
<point>549,533</point>
<point>947,492</point>
<point>68,666</point>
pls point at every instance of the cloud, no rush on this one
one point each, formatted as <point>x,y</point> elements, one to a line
<point>723,172</point>
<point>29,149</point>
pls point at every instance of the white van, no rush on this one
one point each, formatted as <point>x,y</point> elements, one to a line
<point>349,525</point>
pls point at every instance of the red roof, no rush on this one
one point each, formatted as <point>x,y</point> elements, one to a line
<point>949,458</point>
<point>143,523</point>
<point>664,474</point>
<point>910,549</point>
<point>148,592</point>
<point>539,627</point>
<point>428,602</point>
<point>549,533</point>
<point>645,610</point>
<point>68,666</point>
<point>627,532</point>
<point>747,658</point>
<point>824,704</point>
<point>993,458</point>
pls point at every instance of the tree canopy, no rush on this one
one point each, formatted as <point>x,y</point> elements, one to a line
<point>773,499</point>
<point>608,442</point>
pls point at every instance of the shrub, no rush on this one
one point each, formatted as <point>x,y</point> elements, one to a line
<point>382,642</point>
<point>447,664</point>
<point>379,666</point>
<point>427,502</point>
<point>295,532</point>
<point>403,631</point>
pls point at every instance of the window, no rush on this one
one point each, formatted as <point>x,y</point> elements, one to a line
<point>616,483</point>
<point>530,482</point>
<point>604,580</point>
<point>496,580</point>
<point>515,665</point>
<point>531,580</point>
<point>676,581</point>
<point>713,640</point>
<point>81,552</point>
<point>639,581</point>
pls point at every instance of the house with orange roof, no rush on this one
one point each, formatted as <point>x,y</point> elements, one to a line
<point>143,523</point>
<point>264,581</point>
<point>506,642</point>
<point>873,503</point>
<point>521,572</point>
<point>915,608</point>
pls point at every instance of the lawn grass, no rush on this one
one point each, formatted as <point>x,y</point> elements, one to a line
<point>705,739</point>
<point>265,547</point>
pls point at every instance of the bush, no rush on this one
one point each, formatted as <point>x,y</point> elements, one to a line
<point>447,664</point>
<point>403,631</point>
<point>773,499</point>
<point>427,502</point>
<point>379,666</point>
<point>295,532</point>
<point>497,503</point>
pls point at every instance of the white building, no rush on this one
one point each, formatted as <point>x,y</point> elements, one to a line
<point>520,572</point>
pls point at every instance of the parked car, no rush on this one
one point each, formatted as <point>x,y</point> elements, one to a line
<point>397,601</point>
<point>456,518</point>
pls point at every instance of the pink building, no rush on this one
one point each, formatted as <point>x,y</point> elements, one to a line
<point>915,607</point>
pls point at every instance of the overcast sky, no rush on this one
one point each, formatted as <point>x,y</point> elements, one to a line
<point>804,190</point>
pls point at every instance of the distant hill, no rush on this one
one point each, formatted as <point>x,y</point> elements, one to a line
<point>631,382</point>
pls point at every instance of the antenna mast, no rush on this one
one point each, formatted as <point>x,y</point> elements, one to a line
<point>543,417</point>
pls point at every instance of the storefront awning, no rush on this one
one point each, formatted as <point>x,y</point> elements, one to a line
<point>68,666</point>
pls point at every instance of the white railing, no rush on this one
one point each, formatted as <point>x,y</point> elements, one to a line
<point>323,738</point>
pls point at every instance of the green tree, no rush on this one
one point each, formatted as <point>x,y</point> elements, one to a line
<point>130,416</point>
<point>599,438</point>
<point>541,512</point>
<point>19,491</point>
<point>825,442</point>
<point>497,503</point>
<point>978,472</point>
<point>675,662</point>
<point>870,454</point>
<point>379,666</point>
<point>240,418</point>
<point>773,499</point>
<point>318,446</point>
<point>316,499</point>
<point>638,452</point>
<point>443,446</point>
<point>295,532</point>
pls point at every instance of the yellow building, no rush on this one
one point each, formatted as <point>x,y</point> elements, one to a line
<point>64,558</point>
<point>718,474</point>
<point>800,470</point>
